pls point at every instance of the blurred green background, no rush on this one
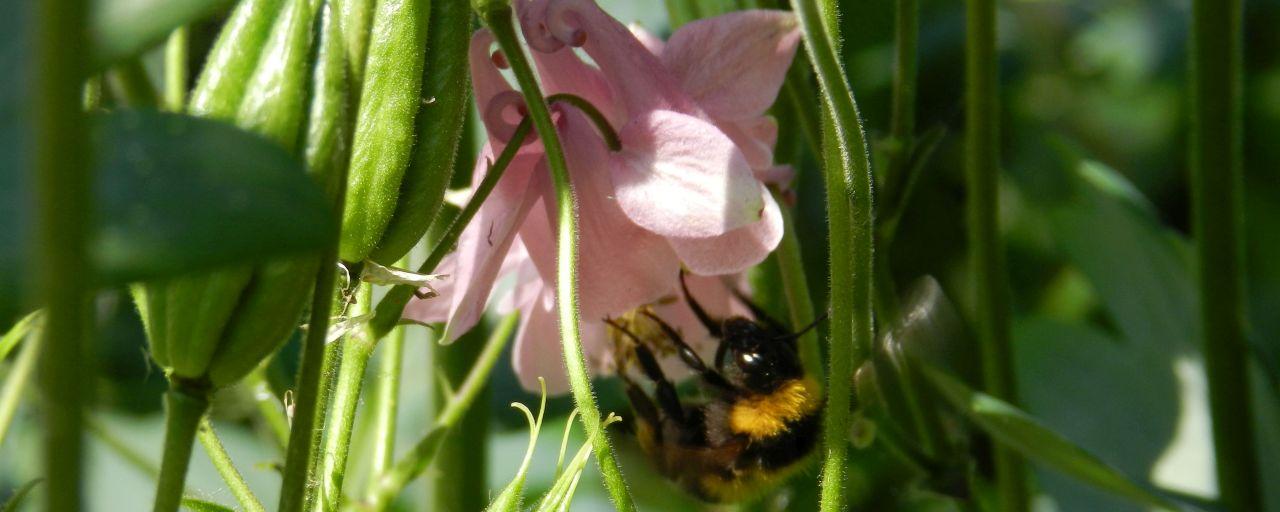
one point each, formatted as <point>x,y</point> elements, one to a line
<point>1094,207</point>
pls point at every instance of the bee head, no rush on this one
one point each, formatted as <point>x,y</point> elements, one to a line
<point>755,358</point>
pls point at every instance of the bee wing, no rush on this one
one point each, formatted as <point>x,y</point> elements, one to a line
<point>930,328</point>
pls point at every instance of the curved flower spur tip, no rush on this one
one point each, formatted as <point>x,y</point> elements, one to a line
<point>510,497</point>
<point>653,43</point>
<point>737,250</point>
<point>680,176</point>
<point>733,65</point>
<point>485,243</point>
<point>484,63</point>
<point>638,77</point>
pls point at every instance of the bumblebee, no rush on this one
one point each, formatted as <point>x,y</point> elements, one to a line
<point>758,421</point>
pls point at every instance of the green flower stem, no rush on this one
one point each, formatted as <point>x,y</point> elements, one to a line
<point>268,407</point>
<point>62,184</point>
<point>390,308</point>
<point>222,462</point>
<point>15,384</point>
<point>324,403</point>
<point>357,348</point>
<point>185,405</point>
<point>849,205</point>
<point>386,401</point>
<point>496,14</point>
<point>388,485</point>
<point>902,121</point>
<point>795,289</point>
<point>1216,182</point>
<point>986,253</point>
<point>176,70</point>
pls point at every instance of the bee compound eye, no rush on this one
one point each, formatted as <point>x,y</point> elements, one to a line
<point>749,360</point>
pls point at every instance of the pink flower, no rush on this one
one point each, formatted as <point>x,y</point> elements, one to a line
<point>687,187</point>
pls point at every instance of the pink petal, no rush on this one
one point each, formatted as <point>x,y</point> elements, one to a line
<point>486,80</point>
<point>621,265</point>
<point>436,309</point>
<point>639,78</point>
<point>733,65</point>
<point>562,71</point>
<point>485,243</point>
<point>646,38</point>
<point>538,353</point>
<point>681,176</point>
<point>756,137</point>
<point>736,250</point>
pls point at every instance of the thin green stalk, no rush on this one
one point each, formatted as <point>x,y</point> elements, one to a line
<point>324,403</point>
<point>272,415</point>
<point>176,72</point>
<point>130,455</point>
<point>357,348</point>
<point>389,309</point>
<point>15,384</point>
<point>386,400</point>
<point>62,181</point>
<point>795,288</point>
<point>496,14</point>
<point>902,121</point>
<point>1216,182</point>
<point>303,436</point>
<point>130,77</point>
<point>986,253</point>
<point>389,484</point>
<point>185,405</point>
<point>849,208</point>
<point>227,469</point>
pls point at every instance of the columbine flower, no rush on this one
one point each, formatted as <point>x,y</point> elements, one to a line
<point>686,188</point>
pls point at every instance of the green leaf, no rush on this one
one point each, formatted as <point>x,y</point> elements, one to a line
<point>178,193</point>
<point>119,29</point>
<point>198,505</point>
<point>17,333</point>
<point>12,504</point>
<point>1015,429</point>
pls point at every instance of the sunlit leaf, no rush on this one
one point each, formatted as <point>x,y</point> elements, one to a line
<point>123,28</point>
<point>17,333</point>
<point>1015,429</point>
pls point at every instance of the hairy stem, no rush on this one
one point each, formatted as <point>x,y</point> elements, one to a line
<point>496,14</point>
<point>227,469</point>
<point>356,349</point>
<point>185,405</point>
<point>849,208</point>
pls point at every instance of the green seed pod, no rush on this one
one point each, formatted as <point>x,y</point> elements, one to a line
<point>382,143</point>
<point>354,17</point>
<point>270,310</point>
<point>446,93</point>
<point>233,59</point>
<point>203,311</point>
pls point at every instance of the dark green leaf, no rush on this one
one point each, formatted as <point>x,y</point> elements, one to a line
<point>197,505</point>
<point>1015,429</point>
<point>177,193</point>
<point>12,504</point>
<point>123,28</point>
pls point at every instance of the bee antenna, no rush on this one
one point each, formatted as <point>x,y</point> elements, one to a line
<point>807,328</point>
<point>712,326</point>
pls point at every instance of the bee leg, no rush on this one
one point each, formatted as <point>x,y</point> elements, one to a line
<point>713,326</point>
<point>689,357</point>
<point>665,391</point>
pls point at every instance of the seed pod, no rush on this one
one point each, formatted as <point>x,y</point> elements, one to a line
<point>270,311</point>
<point>354,17</point>
<point>233,59</point>
<point>445,93</point>
<point>202,311</point>
<point>382,143</point>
